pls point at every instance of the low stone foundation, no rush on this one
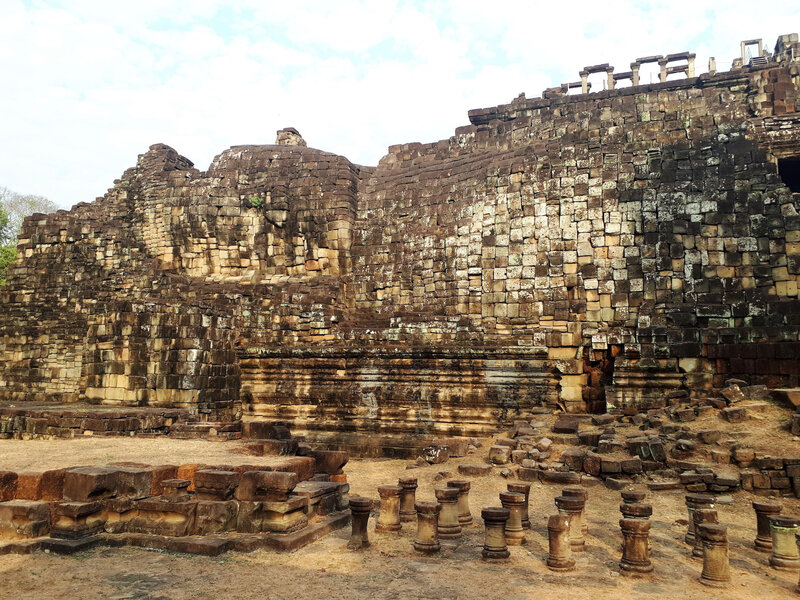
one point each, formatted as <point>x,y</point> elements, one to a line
<point>193,508</point>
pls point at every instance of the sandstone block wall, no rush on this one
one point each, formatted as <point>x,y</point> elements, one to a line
<point>584,251</point>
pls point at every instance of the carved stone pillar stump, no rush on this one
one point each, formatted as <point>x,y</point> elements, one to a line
<point>515,503</point>
<point>525,490</point>
<point>494,544</point>
<point>572,507</point>
<point>694,501</point>
<point>407,498</point>
<point>797,540</point>
<point>359,509</point>
<point>389,515</point>
<point>449,527</point>
<point>764,510</point>
<point>633,496</point>
<point>702,515</point>
<point>576,492</point>
<point>464,513</point>
<point>785,556</point>
<point>560,554</point>
<point>427,539</point>
<point>635,510</point>
<point>716,567</point>
<point>635,546</point>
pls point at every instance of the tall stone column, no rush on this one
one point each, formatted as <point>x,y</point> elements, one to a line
<point>716,566</point>
<point>359,509</point>
<point>525,490</point>
<point>635,546</point>
<point>701,516</point>
<point>427,539</point>
<point>576,492</point>
<point>515,503</point>
<point>785,556</point>
<point>389,515</point>
<point>464,513</point>
<point>764,510</point>
<point>694,501</point>
<point>494,520</point>
<point>635,73</point>
<point>449,527</point>
<point>571,507</point>
<point>407,498</point>
<point>560,554</point>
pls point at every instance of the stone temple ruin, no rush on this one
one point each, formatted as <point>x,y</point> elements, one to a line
<point>591,252</point>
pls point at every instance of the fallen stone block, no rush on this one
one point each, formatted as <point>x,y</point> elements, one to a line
<point>573,458</point>
<point>566,424</point>
<point>528,474</point>
<point>787,396</point>
<point>734,414</point>
<point>436,455</point>
<point>604,419</point>
<point>457,447</point>
<point>733,394</point>
<point>562,477</point>
<point>499,455</point>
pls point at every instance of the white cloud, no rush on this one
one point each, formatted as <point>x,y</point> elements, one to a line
<point>90,84</point>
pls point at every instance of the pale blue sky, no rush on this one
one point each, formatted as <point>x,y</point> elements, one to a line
<point>90,84</point>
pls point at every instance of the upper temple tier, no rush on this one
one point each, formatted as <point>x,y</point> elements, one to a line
<point>587,251</point>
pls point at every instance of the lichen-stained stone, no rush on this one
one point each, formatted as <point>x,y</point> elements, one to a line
<point>579,252</point>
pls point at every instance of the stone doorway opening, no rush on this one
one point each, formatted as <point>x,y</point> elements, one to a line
<point>599,368</point>
<point>789,172</point>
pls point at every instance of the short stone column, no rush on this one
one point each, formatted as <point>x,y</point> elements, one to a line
<point>427,539</point>
<point>694,501</point>
<point>525,490</point>
<point>464,513</point>
<point>494,521</point>
<point>408,496</point>
<point>560,553</point>
<point>633,496</point>
<point>636,510</point>
<point>448,527</point>
<point>572,507</point>
<point>515,503</point>
<point>635,546</point>
<point>702,515</point>
<point>389,515</point>
<point>576,492</point>
<point>785,556</point>
<point>764,510</point>
<point>716,566</point>
<point>359,509</point>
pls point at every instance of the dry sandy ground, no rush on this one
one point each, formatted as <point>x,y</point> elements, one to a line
<point>390,568</point>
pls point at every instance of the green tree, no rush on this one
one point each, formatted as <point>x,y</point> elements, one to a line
<point>14,208</point>
<point>7,250</point>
